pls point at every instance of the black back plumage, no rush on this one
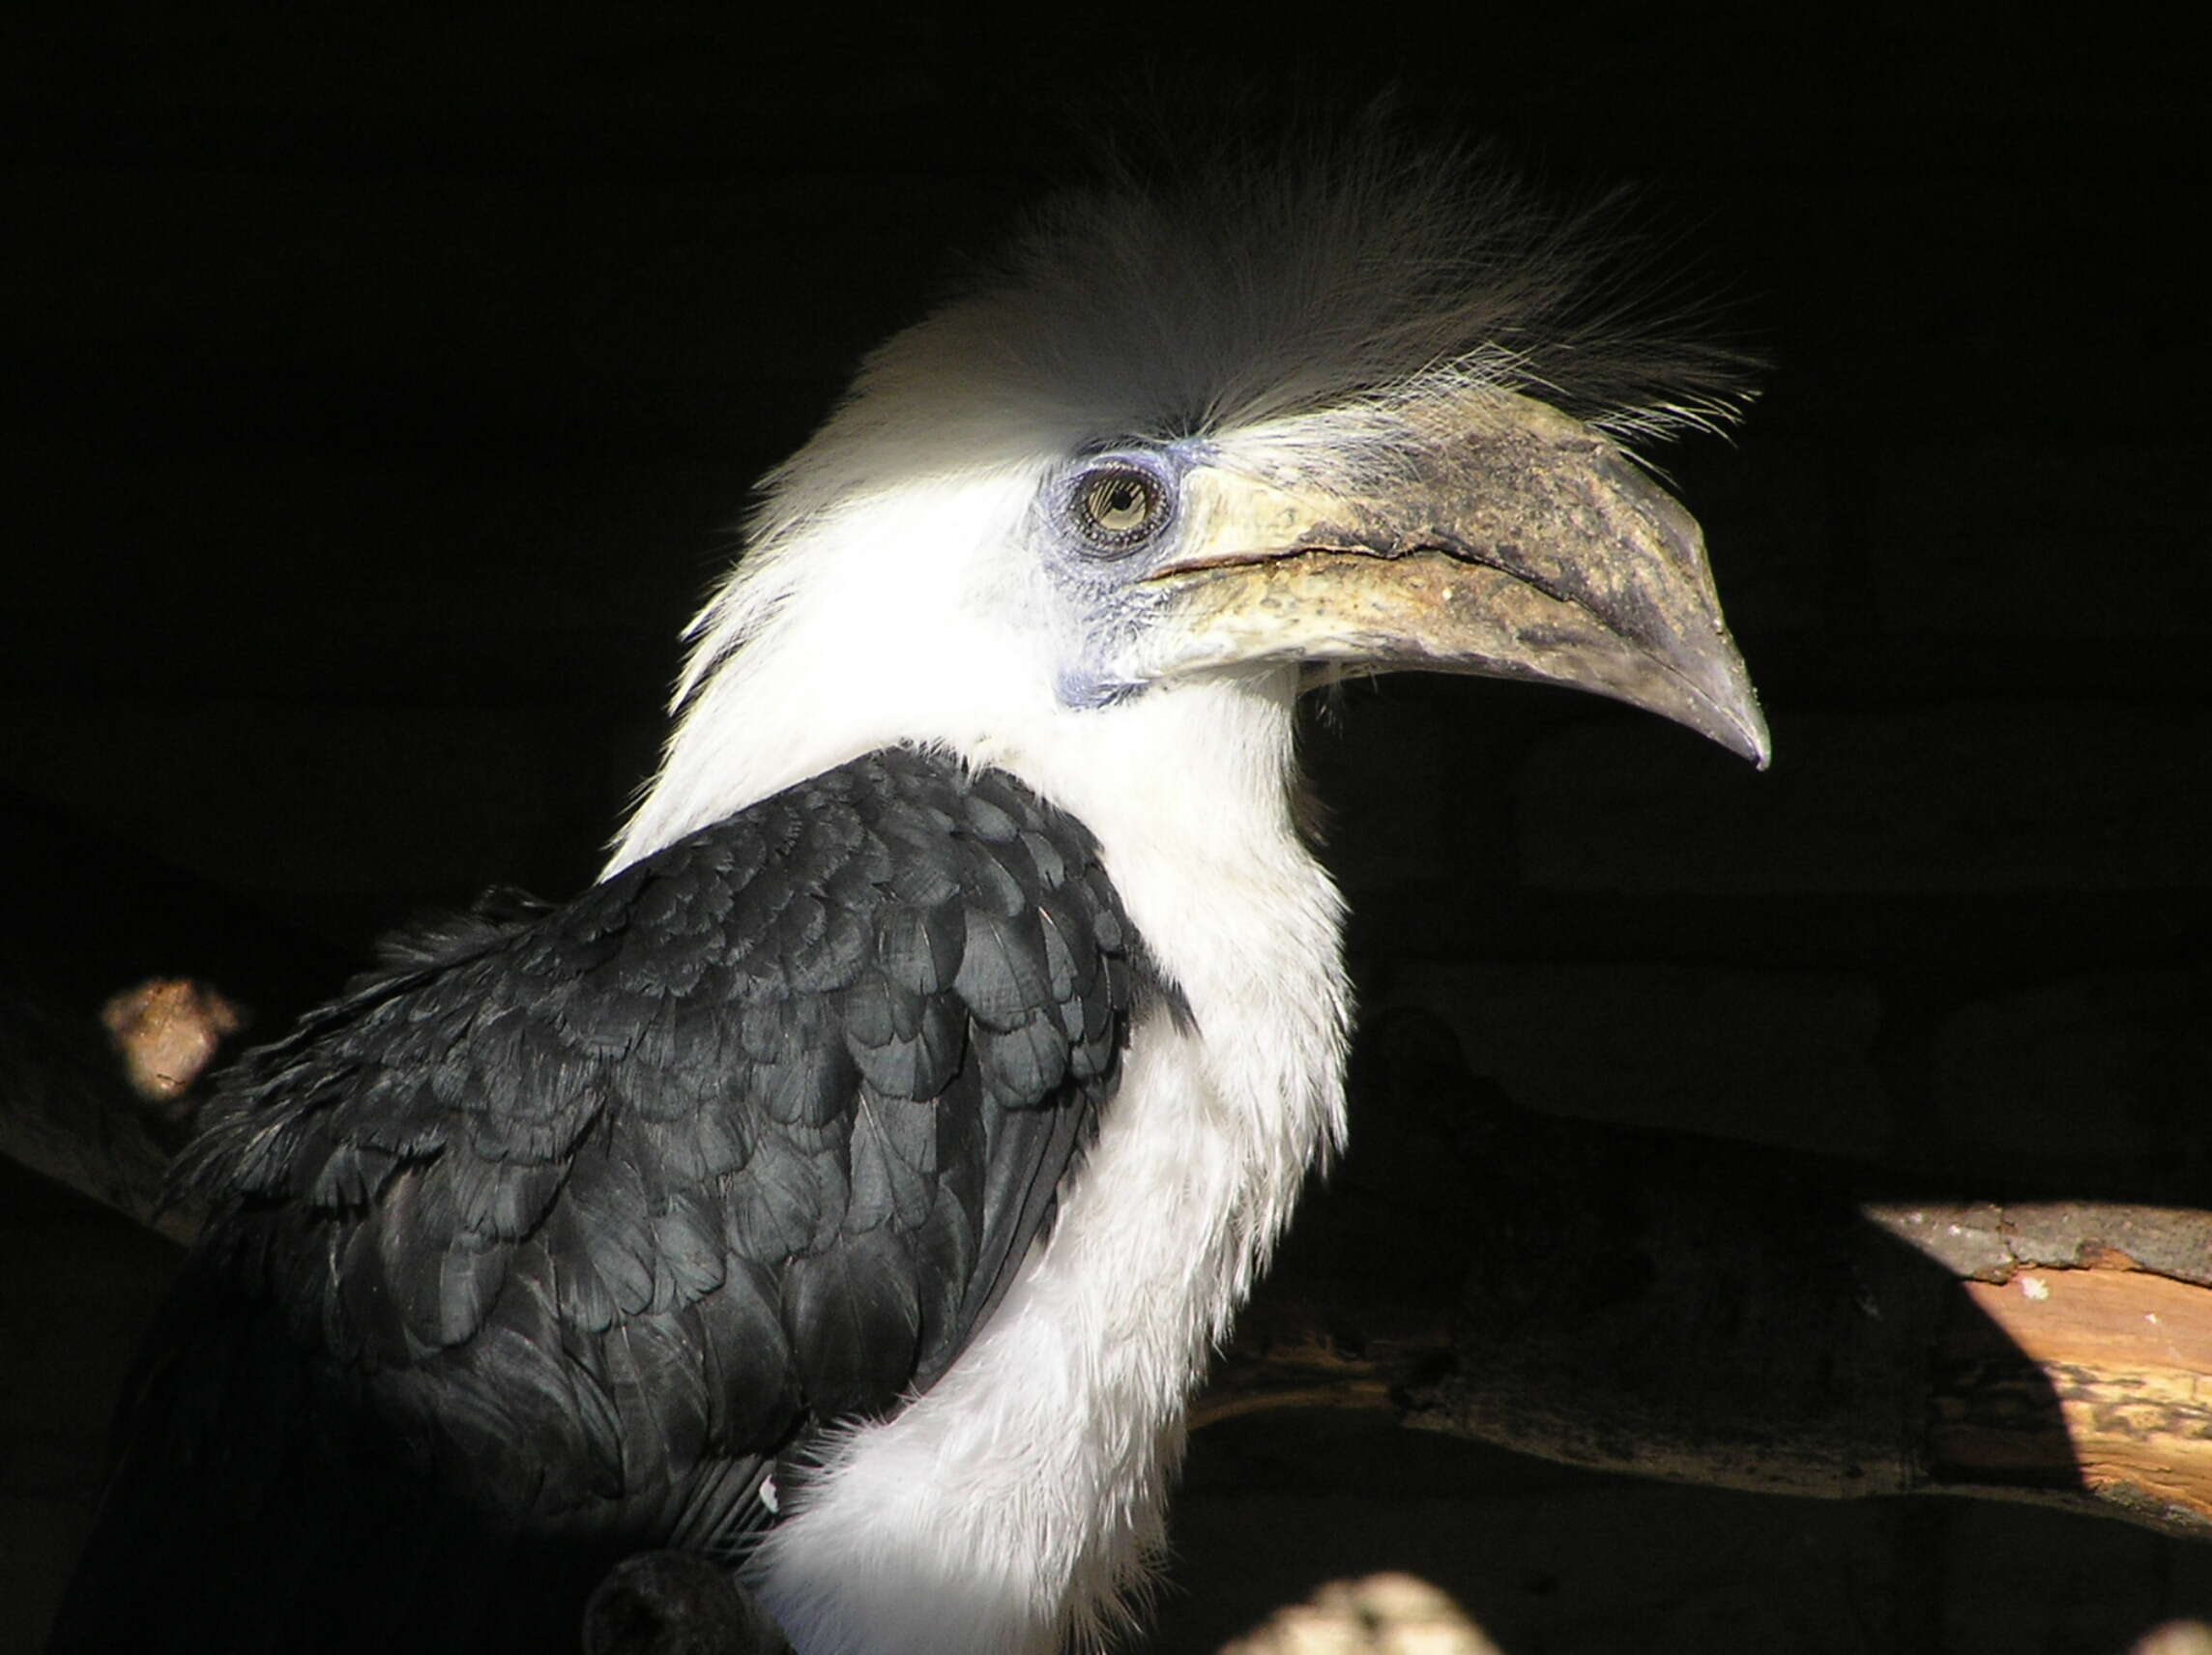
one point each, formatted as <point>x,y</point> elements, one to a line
<point>548,1243</point>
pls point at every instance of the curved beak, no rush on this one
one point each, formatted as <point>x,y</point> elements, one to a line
<point>1506,540</point>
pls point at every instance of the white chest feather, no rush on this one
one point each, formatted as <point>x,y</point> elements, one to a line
<point>1012,1509</point>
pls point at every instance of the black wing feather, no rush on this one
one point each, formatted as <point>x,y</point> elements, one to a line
<point>542,1245</point>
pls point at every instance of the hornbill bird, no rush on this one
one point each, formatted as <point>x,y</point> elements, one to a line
<point>849,1189</point>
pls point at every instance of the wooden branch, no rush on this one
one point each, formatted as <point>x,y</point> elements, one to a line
<point>100,1098</point>
<point>111,1022</point>
<point>1723,1313</point>
<point>1628,1301</point>
<point>2078,1384</point>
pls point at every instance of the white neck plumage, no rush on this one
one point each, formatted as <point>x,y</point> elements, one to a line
<point>1016,1505</point>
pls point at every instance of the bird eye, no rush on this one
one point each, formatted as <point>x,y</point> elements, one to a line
<point>1118,508</point>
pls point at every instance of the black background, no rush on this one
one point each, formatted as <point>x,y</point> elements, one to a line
<point>386,389</point>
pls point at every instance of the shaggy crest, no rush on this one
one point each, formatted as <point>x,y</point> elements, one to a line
<point>1258,291</point>
<point>1364,279</point>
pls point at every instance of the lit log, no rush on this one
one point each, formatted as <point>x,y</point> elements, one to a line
<point>1723,1313</point>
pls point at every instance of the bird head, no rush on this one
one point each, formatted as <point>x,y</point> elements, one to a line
<point>1289,425</point>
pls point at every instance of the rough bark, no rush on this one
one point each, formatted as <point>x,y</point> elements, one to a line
<point>1725,1314</point>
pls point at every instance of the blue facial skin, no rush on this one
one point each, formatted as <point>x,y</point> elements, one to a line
<point>1101,578</point>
